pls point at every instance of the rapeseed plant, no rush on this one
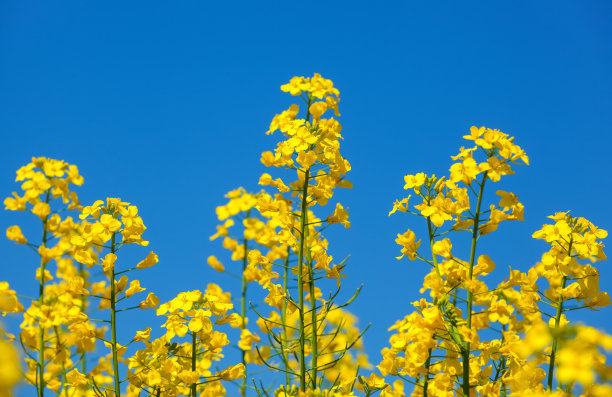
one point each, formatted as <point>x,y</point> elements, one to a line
<point>464,338</point>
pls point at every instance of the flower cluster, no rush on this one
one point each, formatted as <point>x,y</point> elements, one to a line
<point>179,368</point>
<point>464,337</point>
<point>445,344</point>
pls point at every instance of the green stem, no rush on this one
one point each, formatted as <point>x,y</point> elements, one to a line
<point>193,362</point>
<point>313,312</point>
<point>435,261</point>
<point>427,366</point>
<point>41,299</point>
<point>113,299</point>
<point>243,311</point>
<point>303,231</point>
<point>470,296</point>
<point>284,322</point>
<point>553,352</point>
<point>63,373</point>
<point>431,244</point>
<point>83,309</point>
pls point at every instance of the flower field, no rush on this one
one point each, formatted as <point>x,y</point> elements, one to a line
<point>475,328</point>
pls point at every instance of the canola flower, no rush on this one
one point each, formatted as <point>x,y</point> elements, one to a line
<point>170,368</point>
<point>310,146</point>
<point>115,224</point>
<point>464,337</point>
<point>441,345</point>
<point>46,185</point>
<point>256,231</point>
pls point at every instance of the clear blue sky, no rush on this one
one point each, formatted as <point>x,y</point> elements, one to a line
<point>166,106</point>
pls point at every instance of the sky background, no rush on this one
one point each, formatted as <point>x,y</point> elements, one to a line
<point>166,106</point>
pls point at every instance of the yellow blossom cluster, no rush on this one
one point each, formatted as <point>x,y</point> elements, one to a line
<point>446,345</point>
<point>44,178</point>
<point>464,337</point>
<point>177,368</point>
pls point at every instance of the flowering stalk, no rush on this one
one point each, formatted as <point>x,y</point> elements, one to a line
<point>194,354</point>
<point>113,302</point>
<point>470,295</point>
<point>284,325</point>
<point>553,352</point>
<point>435,265</point>
<point>82,360</point>
<point>308,144</point>
<point>314,324</point>
<point>243,299</point>
<point>303,233</point>
<point>41,294</point>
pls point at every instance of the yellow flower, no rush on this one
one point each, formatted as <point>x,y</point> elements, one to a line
<point>484,265</point>
<point>151,301</point>
<point>233,372</point>
<point>215,264</point>
<point>189,377</point>
<point>133,289</point>
<point>109,262</point>
<point>75,378</point>
<point>8,300</point>
<point>10,372</point>
<point>222,229</point>
<point>317,109</point>
<point>15,203</point>
<point>464,171</point>
<point>14,233</point>
<point>41,210</point>
<point>149,261</point>
<point>276,296</point>
<point>339,216</point>
<point>375,381</point>
<point>414,181</point>
<point>443,248</point>
<point>400,205</point>
<point>200,322</point>
<point>246,339</point>
<point>143,335</point>
<point>407,241</point>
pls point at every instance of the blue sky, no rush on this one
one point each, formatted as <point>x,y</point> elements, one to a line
<point>166,106</point>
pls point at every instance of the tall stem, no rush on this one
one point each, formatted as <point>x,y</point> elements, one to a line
<point>313,325</point>
<point>83,309</point>
<point>470,295</point>
<point>41,299</point>
<point>303,233</point>
<point>435,262</point>
<point>284,322</point>
<point>113,301</point>
<point>194,350</point>
<point>553,352</point>
<point>243,311</point>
